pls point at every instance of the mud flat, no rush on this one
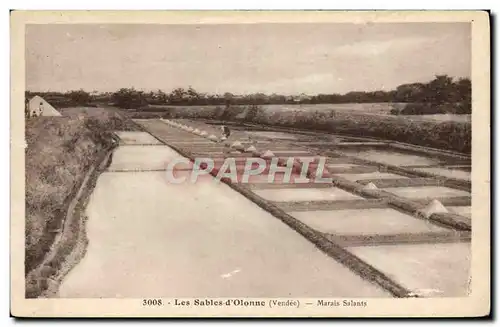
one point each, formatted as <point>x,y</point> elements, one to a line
<point>150,238</point>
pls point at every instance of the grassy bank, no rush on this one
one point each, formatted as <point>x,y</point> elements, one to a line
<point>59,153</point>
<point>447,135</point>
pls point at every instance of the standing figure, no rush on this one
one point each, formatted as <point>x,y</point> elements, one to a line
<point>26,108</point>
<point>225,135</point>
<point>225,132</point>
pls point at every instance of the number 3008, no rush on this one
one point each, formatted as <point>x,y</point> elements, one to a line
<point>152,302</point>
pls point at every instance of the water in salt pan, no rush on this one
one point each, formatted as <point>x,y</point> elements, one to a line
<point>391,157</point>
<point>380,221</point>
<point>420,192</point>
<point>439,270</point>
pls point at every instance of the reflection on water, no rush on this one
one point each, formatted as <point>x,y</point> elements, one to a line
<point>276,135</point>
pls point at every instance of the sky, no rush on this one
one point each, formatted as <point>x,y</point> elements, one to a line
<point>244,58</point>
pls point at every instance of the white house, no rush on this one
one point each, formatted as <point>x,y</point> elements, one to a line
<point>39,107</point>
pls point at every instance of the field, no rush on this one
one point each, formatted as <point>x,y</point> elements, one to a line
<point>371,108</point>
<point>380,109</point>
<point>443,117</point>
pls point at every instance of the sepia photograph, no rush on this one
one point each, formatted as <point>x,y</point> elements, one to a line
<point>250,164</point>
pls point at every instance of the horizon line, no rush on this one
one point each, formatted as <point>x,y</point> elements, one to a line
<point>455,78</point>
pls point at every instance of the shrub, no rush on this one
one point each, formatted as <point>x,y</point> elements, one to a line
<point>431,109</point>
<point>462,108</point>
<point>423,109</point>
<point>252,112</point>
<point>79,97</point>
<point>129,98</point>
<point>395,111</point>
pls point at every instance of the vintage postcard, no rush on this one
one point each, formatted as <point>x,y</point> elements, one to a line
<point>250,164</point>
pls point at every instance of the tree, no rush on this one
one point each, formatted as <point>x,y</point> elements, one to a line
<point>128,98</point>
<point>228,99</point>
<point>161,97</point>
<point>177,96</point>
<point>191,93</point>
<point>464,89</point>
<point>439,89</point>
<point>277,99</point>
<point>79,97</point>
<point>410,93</point>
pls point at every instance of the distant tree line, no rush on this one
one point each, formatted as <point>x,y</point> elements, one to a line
<point>66,99</point>
<point>440,95</point>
